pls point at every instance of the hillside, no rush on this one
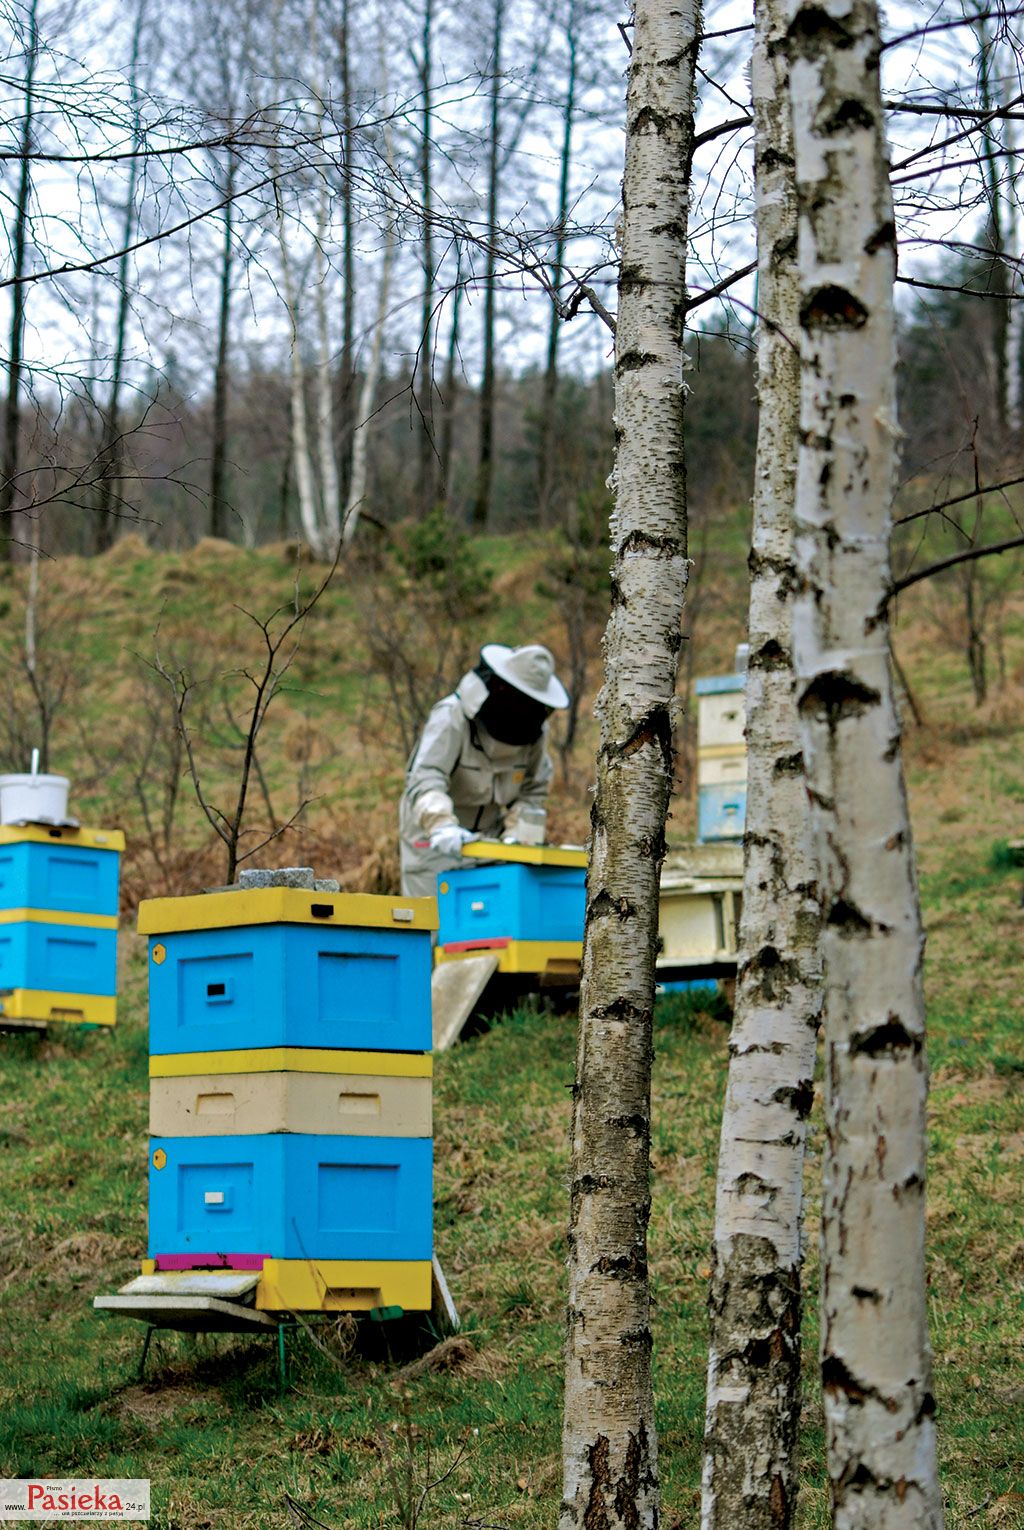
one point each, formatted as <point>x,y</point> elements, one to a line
<point>221,1442</point>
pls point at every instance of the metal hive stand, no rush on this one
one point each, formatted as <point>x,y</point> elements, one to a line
<point>223,1301</point>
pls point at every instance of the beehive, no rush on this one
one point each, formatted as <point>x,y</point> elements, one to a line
<point>721,758</point>
<point>524,902</point>
<point>290,1103</point>
<point>58,923</point>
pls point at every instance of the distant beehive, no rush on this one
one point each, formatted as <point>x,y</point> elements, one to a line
<point>58,924</point>
<point>290,1097</point>
<point>721,759</point>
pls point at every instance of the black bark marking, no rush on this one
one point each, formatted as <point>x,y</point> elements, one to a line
<point>832,307</point>
<point>799,1097</point>
<point>789,764</point>
<point>604,906</point>
<point>847,918</point>
<point>635,361</point>
<point>636,1124</point>
<point>637,1338</point>
<point>837,696</point>
<point>777,1501</point>
<point>836,1377</point>
<point>751,1184</point>
<point>587,1184</point>
<point>883,236</point>
<point>770,655</point>
<point>850,114</point>
<point>864,1294</point>
<point>654,728</point>
<point>661,122</point>
<point>642,541</point>
<point>813,29</point>
<point>595,1515</point>
<point>637,1479</point>
<point>631,279</point>
<point>624,1267</point>
<point>890,1038</point>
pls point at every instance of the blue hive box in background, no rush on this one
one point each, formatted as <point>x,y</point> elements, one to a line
<point>521,900</point>
<point>721,812</point>
<point>292,1197</point>
<point>58,958</point>
<point>70,870</point>
<point>286,967</point>
<point>721,758</point>
<point>58,923</point>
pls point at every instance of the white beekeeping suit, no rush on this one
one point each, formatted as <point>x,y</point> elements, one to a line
<point>481,757</point>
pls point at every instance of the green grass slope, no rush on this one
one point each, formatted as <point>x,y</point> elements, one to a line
<point>359,1428</point>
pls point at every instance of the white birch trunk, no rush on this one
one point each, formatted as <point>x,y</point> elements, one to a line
<point>330,488</point>
<point>305,479</point>
<point>876,1366</point>
<point>371,377</point>
<point>753,1391</point>
<point>609,1446</point>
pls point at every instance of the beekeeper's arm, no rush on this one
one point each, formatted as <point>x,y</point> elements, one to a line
<point>428,779</point>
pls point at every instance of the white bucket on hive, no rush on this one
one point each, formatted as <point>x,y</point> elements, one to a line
<point>34,797</point>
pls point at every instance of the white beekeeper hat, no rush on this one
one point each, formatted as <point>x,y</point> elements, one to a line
<point>530,669</point>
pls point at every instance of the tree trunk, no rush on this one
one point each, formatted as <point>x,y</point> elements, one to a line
<point>998,280</point>
<point>448,402</point>
<point>425,487</point>
<point>9,493</point>
<point>550,391</point>
<point>876,1365</point>
<point>609,1448</point>
<point>371,375</point>
<point>111,453</point>
<point>330,489</point>
<point>753,1399</point>
<point>348,262</point>
<point>219,506</point>
<point>485,467</point>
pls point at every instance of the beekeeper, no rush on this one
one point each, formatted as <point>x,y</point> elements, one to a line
<point>481,758</point>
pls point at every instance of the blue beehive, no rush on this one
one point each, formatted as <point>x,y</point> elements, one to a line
<point>512,901</point>
<point>261,969</point>
<point>58,958</point>
<point>292,1197</point>
<point>287,985</point>
<point>59,872</point>
<point>58,923</point>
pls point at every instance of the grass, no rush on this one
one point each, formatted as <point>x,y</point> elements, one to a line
<point>211,1426</point>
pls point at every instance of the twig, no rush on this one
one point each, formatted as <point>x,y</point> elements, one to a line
<point>961,557</point>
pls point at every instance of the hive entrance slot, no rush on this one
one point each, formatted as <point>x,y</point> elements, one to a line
<point>215,990</point>
<point>322,910</point>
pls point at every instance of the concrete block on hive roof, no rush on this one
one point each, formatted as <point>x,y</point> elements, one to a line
<point>284,876</point>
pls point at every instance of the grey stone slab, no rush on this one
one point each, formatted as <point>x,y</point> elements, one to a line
<point>284,876</point>
<point>454,990</point>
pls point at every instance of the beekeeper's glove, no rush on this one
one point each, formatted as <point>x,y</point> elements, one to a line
<point>449,838</point>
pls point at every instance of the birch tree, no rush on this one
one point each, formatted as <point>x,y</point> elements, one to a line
<point>753,1389</point>
<point>9,464</point>
<point>609,1447</point>
<point>876,1366</point>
